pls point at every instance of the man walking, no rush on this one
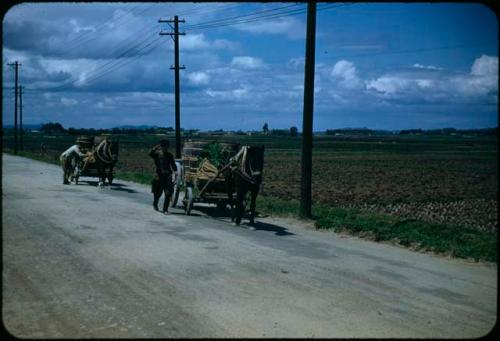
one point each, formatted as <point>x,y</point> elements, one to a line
<point>69,160</point>
<point>165,170</point>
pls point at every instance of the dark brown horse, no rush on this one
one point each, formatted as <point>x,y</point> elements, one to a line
<point>102,160</point>
<point>245,176</point>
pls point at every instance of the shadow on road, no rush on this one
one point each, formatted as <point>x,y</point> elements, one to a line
<point>115,186</point>
<point>213,212</point>
<point>278,230</point>
<point>122,187</point>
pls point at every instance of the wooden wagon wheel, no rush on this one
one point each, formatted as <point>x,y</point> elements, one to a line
<point>175,195</point>
<point>188,200</point>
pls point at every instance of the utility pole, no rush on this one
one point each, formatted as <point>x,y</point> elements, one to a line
<point>307,123</point>
<point>175,37</point>
<point>16,68</point>
<point>21,116</point>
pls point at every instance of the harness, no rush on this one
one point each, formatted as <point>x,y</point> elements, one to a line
<point>241,158</point>
<point>103,152</point>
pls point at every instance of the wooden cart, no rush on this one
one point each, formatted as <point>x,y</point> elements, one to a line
<point>89,143</point>
<point>203,181</point>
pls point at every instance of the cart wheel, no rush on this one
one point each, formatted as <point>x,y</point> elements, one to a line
<point>188,200</point>
<point>175,196</point>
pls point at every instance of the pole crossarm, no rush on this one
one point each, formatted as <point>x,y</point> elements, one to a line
<point>172,34</point>
<point>171,20</point>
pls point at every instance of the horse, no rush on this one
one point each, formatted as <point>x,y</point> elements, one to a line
<point>103,156</point>
<point>245,176</point>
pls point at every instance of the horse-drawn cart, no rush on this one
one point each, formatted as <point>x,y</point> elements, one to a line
<point>203,178</point>
<point>102,157</point>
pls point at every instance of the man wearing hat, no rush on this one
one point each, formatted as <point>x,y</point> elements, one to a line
<point>165,169</point>
<point>69,159</point>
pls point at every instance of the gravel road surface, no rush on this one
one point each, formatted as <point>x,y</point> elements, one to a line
<point>80,262</point>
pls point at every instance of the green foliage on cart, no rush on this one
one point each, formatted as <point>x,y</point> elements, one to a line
<point>216,153</point>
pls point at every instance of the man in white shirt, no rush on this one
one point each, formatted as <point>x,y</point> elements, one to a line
<point>69,159</point>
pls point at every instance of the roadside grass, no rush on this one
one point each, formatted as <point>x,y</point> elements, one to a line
<point>49,158</point>
<point>141,178</point>
<point>453,240</point>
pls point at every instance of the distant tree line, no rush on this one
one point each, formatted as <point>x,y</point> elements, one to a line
<point>443,131</point>
<point>450,131</point>
<point>55,128</point>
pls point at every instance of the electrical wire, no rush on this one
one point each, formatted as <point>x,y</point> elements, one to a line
<point>125,61</point>
<point>71,48</point>
<point>70,42</point>
<point>238,16</point>
<point>267,17</point>
<point>111,66</point>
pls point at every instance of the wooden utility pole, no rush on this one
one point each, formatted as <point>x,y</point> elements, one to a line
<point>307,123</point>
<point>16,69</point>
<point>21,116</point>
<point>175,37</point>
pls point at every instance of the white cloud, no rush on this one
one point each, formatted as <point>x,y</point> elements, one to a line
<point>225,44</point>
<point>68,102</point>
<point>485,66</point>
<point>193,42</point>
<point>429,83</point>
<point>77,28</point>
<point>425,83</point>
<point>297,63</point>
<point>239,93</point>
<point>245,62</point>
<point>388,84</point>
<point>345,71</point>
<point>428,67</point>
<point>198,78</point>
<point>289,26</point>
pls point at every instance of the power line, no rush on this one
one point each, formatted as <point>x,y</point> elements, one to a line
<point>239,16</point>
<point>438,48</point>
<point>267,17</point>
<point>115,66</point>
<point>85,41</point>
<point>125,61</point>
<point>111,65</point>
<point>99,26</point>
<point>202,10</point>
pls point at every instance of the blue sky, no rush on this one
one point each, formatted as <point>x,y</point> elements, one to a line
<point>378,65</point>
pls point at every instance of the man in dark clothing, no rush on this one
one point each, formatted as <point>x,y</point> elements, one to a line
<point>165,168</point>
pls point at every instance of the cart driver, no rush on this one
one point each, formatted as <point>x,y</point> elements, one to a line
<point>69,159</point>
<point>166,171</point>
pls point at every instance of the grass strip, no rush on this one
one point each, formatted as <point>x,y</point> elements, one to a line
<point>453,240</point>
<point>135,177</point>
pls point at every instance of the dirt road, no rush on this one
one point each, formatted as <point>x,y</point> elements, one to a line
<point>83,262</point>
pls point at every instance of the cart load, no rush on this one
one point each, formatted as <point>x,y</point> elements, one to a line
<point>203,164</point>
